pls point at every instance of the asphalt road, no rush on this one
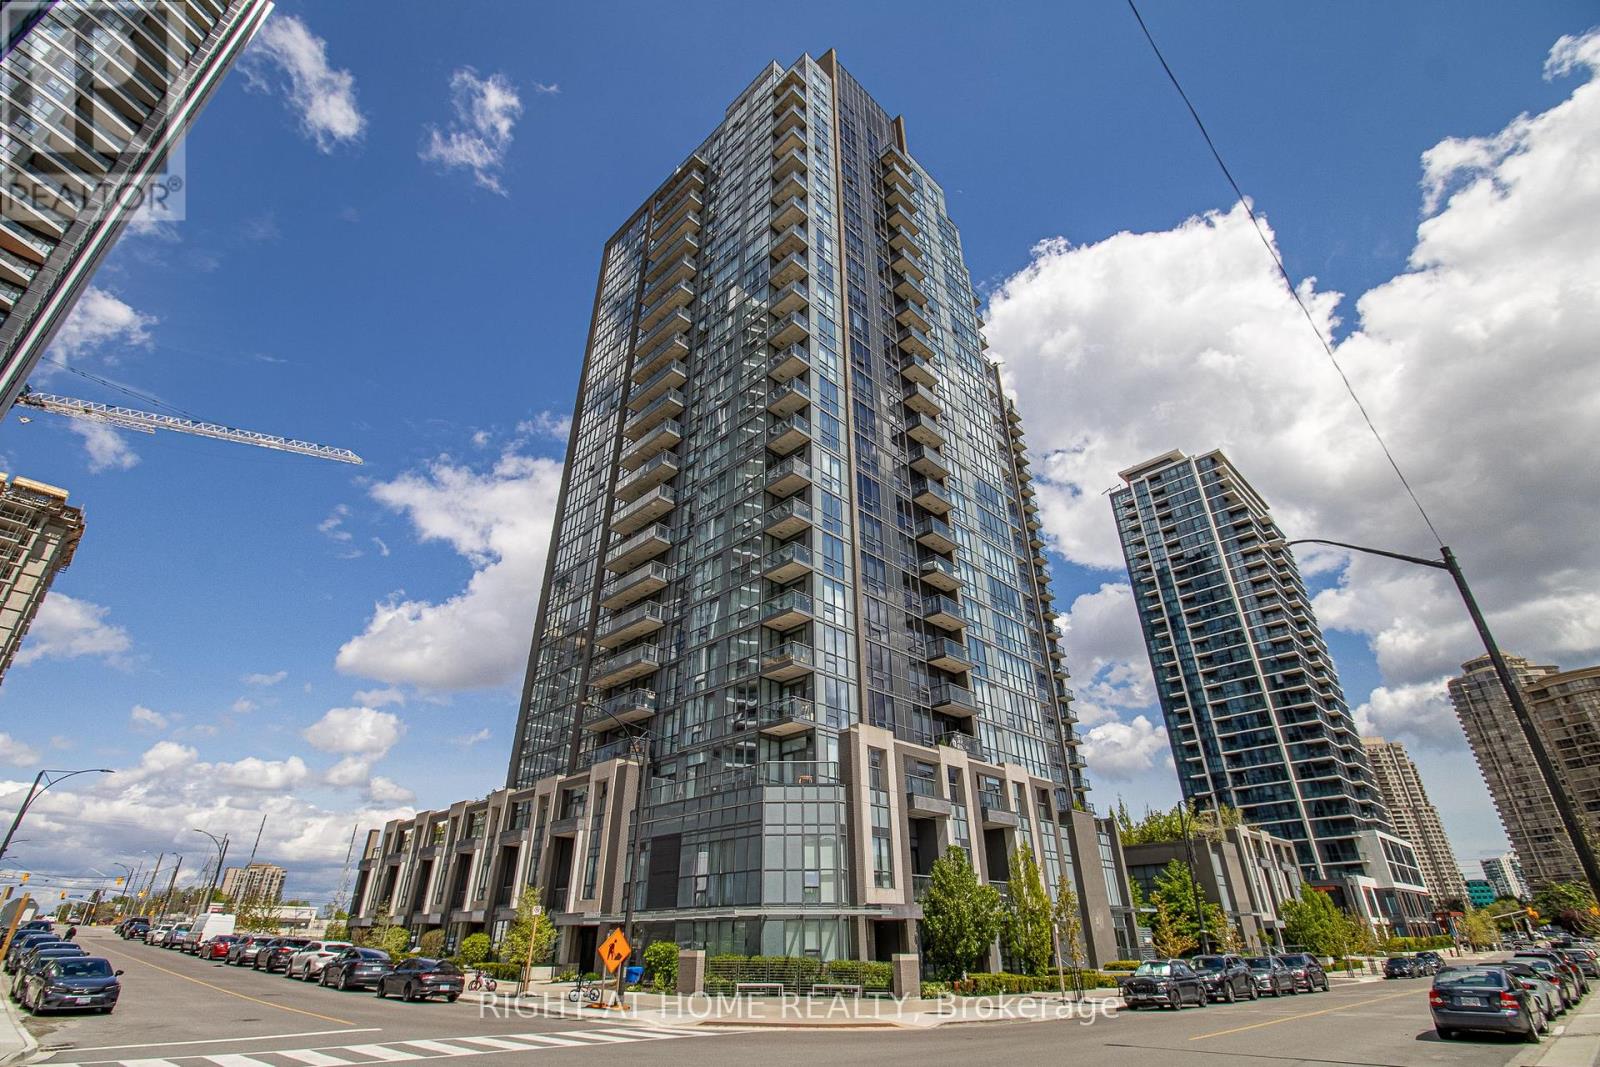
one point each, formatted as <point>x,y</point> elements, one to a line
<point>180,1012</point>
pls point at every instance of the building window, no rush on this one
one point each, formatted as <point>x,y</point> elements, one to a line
<point>882,836</point>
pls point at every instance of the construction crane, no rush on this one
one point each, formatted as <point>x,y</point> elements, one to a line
<point>148,422</point>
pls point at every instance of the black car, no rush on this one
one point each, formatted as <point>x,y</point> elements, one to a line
<point>1164,983</point>
<point>1579,982</point>
<point>1484,998</point>
<point>356,968</point>
<point>242,952</point>
<point>20,953</point>
<point>135,929</point>
<point>1401,967</point>
<point>1307,971</point>
<point>78,982</point>
<point>275,955</point>
<point>1271,976</point>
<point>1430,962</point>
<point>22,942</point>
<point>36,958</point>
<point>1227,978</point>
<point>421,978</point>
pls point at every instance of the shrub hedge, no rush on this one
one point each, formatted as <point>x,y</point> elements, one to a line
<point>795,973</point>
<point>1120,965</point>
<point>989,985</point>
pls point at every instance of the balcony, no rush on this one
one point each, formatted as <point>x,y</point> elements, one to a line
<point>915,342</point>
<point>789,363</point>
<point>671,376</point>
<point>786,398</point>
<point>904,242</point>
<point>907,266</point>
<point>947,655</point>
<point>910,315</point>
<point>690,175</point>
<point>897,175</point>
<point>644,511</point>
<point>936,534</point>
<point>939,573</point>
<point>931,496</point>
<point>918,370</point>
<point>671,325</point>
<point>668,214</point>
<point>791,268</point>
<point>648,361</point>
<point>666,406</point>
<point>627,666</point>
<point>787,662</point>
<point>788,331</point>
<point>788,299</point>
<point>928,462</point>
<point>668,259</point>
<point>686,224</point>
<point>922,400</point>
<point>788,435</point>
<point>632,587</point>
<point>627,709</point>
<point>902,218</point>
<point>790,241</point>
<point>788,189</point>
<point>789,477</point>
<point>953,700</point>
<point>793,118</point>
<point>642,546</point>
<point>788,213</point>
<point>787,563</point>
<point>675,297</point>
<point>788,519</point>
<point>963,743</point>
<point>923,799</point>
<point>924,430</point>
<point>657,441</point>
<point>791,162</point>
<point>633,484</point>
<point>943,612</point>
<point>787,611</point>
<point>789,96</point>
<point>630,625</point>
<point>676,273</point>
<point>790,139</point>
<point>788,717</point>
<point>900,197</point>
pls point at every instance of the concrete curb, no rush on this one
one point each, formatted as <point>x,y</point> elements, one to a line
<point>1576,1045</point>
<point>15,1041</point>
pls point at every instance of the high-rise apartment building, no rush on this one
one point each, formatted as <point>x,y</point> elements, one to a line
<point>1504,875</point>
<point>798,549</point>
<point>259,882</point>
<point>1416,819</point>
<point>94,94</point>
<point>39,533</point>
<point>1526,808</point>
<point>1253,708</point>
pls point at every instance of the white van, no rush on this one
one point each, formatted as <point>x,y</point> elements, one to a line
<point>212,924</point>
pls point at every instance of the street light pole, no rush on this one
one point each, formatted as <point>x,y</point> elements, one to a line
<point>1541,756</point>
<point>33,793</point>
<point>1194,879</point>
<point>222,851</point>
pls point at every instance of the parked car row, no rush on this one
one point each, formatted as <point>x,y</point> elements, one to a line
<point>331,964</point>
<point>54,973</point>
<point>1520,995</point>
<point>1225,978</point>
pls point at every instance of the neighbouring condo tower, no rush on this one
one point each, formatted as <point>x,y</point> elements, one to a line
<point>94,94</point>
<point>798,549</point>
<point>1416,819</point>
<point>39,533</point>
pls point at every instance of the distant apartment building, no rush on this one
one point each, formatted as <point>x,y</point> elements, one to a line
<point>1416,819</point>
<point>94,95</point>
<point>1480,894</point>
<point>1565,707</point>
<point>39,533</point>
<point>1504,874</point>
<point>257,882</point>
<point>1246,872</point>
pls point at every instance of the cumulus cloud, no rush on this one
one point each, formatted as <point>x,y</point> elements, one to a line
<point>17,753</point>
<point>486,111</point>
<point>143,718</point>
<point>381,790</point>
<point>1106,652</point>
<point>1122,349</point>
<point>265,679</point>
<point>100,324</point>
<point>332,527</point>
<point>551,425</point>
<point>106,449</point>
<point>362,731</point>
<point>499,521</point>
<point>1119,750</point>
<point>67,628</point>
<point>286,57</point>
<point>271,776</point>
<point>1420,713</point>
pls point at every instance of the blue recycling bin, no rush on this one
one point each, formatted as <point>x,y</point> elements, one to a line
<point>633,975</point>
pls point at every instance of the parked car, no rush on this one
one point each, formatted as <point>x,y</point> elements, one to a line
<point>1270,975</point>
<point>1578,980</point>
<point>79,982</point>
<point>422,978</point>
<point>1158,983</point>
<point>1583,957</point>
<point>39,956</point>
<point>216,948</point>
<point>242,953</point>
<point>356,968</point>
<point>1401,967</point>
<point>45,925</point>
<point>1551,996</point>
<point>1227,978</point>
<point>307,963</point>
<point>174,937</point>
<point>211,924</point>
<point>1306,970</point>
<point>275,956</point>
<point>20,943</point>
<point>1553,972</point>
<point>1484,998</point>
<point>135,929</point>
<point>1430,962</point>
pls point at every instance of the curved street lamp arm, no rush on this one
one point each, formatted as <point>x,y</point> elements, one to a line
<point>1418,560</point>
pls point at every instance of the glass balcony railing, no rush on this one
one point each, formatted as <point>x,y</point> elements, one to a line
<point>789,518</point>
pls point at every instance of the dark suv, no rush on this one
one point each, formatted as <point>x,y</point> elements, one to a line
<point>1307,971</point>
<point>1227,978</point>
<point>275,955</point>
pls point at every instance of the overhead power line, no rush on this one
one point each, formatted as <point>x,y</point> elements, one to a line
<point>1283,272</point>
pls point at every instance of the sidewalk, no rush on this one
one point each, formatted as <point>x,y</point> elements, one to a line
<point>15,1041</point>
<point>1577,1044</point>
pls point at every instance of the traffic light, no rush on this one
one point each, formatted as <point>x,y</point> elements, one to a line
<point>25,876</point>
<point>119,881</point>
<point>1532,914</point>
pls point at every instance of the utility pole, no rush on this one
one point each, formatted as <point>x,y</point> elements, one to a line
<point>166,900</point>
<point>344,876</point>
<point>150,890</point>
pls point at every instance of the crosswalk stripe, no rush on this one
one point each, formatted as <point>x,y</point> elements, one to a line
<point>442,1047</point>
<point>551,1038</point>
<point>596,1035</point>
<point>148,1063</point>
<point>490,1042</point>
<point>312,1058</point>
<point>382,1052</point>
<point>642,1033</point>
<point>237,1061</point>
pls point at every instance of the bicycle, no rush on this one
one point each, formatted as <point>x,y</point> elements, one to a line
<point>586,989</point>
<point>483,982</point>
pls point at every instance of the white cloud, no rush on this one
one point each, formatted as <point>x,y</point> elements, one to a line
<point>381,546</point>
<point>379,698</point>
<point>98,323</point>
<point>332,527</point>
<point>269,776</point>
<point>498,520</point>
<point>143,718</point>
<point>1105,650</point>
<point>1420,714</point>
<point>468,740</point>
<point>350,771</point>
<point>67,628</point>
<point>107,449</point>
<point>383,790</point>
<point>265,679</point>
<point>17,753</point>
<point>1119,750</point>
<point>553,425</point>
<point>288,57</point>
<point>1139,343</point>
<point>244,706</point>
<point>480,135</point>
<point>362,731</point>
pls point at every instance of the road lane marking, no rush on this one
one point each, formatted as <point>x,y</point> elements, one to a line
<point>229,992</point>
<point>228,1040</point>
<point>382,1052</point>
<point>237,1061</point>
<point>552,1039</point>
<point>596,1035</point>
<point>1302,1015</point>
<point>441,1047</point>
<point>499,1043</point>
<point>313,1058</point>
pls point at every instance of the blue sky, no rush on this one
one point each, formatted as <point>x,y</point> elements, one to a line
<point>331,283</point>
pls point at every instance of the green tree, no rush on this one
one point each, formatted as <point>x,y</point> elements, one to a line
<point>1477,928</point>
<point>255,916</point>
<point>530,922</point>
<point>1168,933</point>
<point>1181,905</point>
<point>474,949</point>
<point>960,917</point>
<point>1314,923</point>
<point>1068,923</point>
<point>1164,827</point>
<point>1025,931</point>
<point>1569,905</point>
